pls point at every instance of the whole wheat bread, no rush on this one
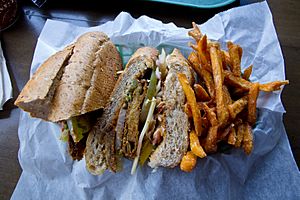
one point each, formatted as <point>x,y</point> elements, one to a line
<point>175,140</point>
<point>100,147</point>
<point>74,81</point>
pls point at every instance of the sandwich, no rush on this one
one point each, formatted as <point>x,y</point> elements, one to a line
<point>72,86</point>
<point>145,117</point>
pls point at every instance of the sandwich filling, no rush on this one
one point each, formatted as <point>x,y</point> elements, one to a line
<point>145,118</point>
<point>136,119</point>
<point>75,131</point>
<point>151,110</point>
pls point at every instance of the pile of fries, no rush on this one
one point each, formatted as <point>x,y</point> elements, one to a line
<point>222,106</point>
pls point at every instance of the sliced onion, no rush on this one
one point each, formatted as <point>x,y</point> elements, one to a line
<point>161,64</point>
<point>157,73</point>
<point>158,87</point>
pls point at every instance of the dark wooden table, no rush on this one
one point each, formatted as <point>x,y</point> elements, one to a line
<point>19,42</point>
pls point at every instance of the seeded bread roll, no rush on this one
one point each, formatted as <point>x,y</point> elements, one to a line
<point>74,81</point>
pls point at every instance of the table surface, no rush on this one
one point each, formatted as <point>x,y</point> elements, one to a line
<point>18,43</point>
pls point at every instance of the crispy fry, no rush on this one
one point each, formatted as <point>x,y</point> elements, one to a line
<point>222,112</point>
<point>252,97</point>
<point>272,86</point>
<point>195,145</point>
<point>191,100</point>
<point>201,94</point>
<point>247,72</point>
<point>211,140</point>
<point>205,124</point>
<point>238,92</point>
<point>187,110</point>
<point>202,73</point>
<point>235,53</point>
<point>226,94</point>
<point>237,121</point>
<point>221,63</point>
<point>209,82</point>
<point>240,52</point>
<point>232,136</point>
<point>211,104</point>
<point>239,135</point>
<point>237,82</point>
<point>236,107</point>
<point>188,162</point>
<point>247,139</point>
<point>194,47</point>
<point>202,53</point>
<point>195,32</point>
<point>194,60</point>
<point>223,59</point>
<point>223,134</point>
<point>226,58</point>
<point>211,116</point>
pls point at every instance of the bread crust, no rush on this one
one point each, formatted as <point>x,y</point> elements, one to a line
<point>74,81</point>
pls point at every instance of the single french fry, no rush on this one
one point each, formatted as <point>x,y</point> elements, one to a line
<point>211,116</point>
<point>209,82</point>
<point>226,94</point>
<point>194,46</point>
<point>194,60</point>
<point>210,145</point>
<point>187,110</point>
<point>202,53</point>
<point>195,145</point>
<point>201,94</point>
<point>202,73</point>
<point>247,139</point>
<point>237,121</point>
<point>188,162</point>
<point>236,82</point>
<point>221,63</point>
<point>238,92</point>
<point>211,104</point>
<point>232,136</point>
<point>226,58</point>
<point>236,107</point>
<point>225,132</point>
<point>223,59</point>
<point>240,49</point>
<point>239,135</point>
<point>235,53</point>
<point>195,63</point>
<point>222,112</point>
<point>252,98</point>
<point>272,86</point>
<point>191,100</point>
<point>195,32</point>
<point>205,124</point>
<point>247,73</point>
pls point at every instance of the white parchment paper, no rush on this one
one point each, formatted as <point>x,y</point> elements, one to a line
<point>270,172</point>
<point>5,83</point>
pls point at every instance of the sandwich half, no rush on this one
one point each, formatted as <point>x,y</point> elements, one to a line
<point>145,116</point>
<point>72,85</point>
